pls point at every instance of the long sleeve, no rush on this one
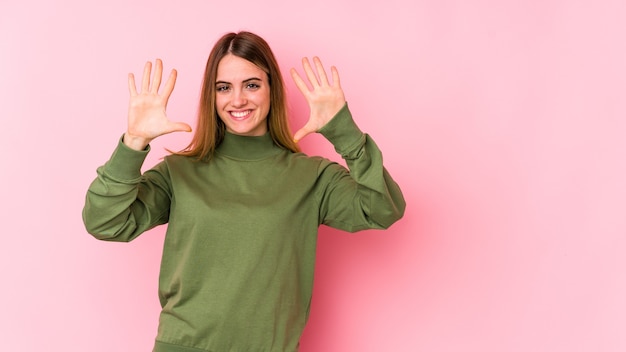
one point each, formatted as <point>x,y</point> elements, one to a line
<point>365,196</point>
<point>121,203</point>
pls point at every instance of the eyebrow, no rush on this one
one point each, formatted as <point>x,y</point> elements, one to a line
<point>244,81</point>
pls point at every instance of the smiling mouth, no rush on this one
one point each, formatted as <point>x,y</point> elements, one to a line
<point>240,115</point>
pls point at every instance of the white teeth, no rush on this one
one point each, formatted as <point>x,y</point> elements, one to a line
<point>240,113</point>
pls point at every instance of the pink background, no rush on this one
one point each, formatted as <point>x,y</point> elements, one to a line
<point>503,121</point>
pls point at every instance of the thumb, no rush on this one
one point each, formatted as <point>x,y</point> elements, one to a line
<point>301,133</point>
<point>179,127</point>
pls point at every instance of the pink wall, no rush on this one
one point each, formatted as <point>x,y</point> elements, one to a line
<point>503,121</point>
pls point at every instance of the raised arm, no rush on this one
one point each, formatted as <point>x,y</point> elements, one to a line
<point>121,203</point>
<point>366,196</point>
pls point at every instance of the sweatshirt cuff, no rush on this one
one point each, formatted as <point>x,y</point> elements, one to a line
<point>125,163</point>
<point>342,131</point>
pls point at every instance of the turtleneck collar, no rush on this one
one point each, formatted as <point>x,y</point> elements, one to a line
<point>248,148</point>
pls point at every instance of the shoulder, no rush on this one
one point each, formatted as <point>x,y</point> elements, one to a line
<point>305,159</point>
<point>180,162</point>
<point>318,164</point>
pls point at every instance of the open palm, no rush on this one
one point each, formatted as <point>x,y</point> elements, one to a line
<point>325,99</point>
<point>147,118</point>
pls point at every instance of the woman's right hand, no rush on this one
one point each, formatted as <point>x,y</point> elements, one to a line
<point>146,109</point>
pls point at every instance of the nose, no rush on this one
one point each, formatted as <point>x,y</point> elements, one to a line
<point>239,98</point>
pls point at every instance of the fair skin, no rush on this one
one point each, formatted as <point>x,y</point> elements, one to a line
<point>147,118</point>
<point>325,98</point>
<point>243,96</point>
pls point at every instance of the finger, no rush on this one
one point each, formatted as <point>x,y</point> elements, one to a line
<point>169,84</point>
<point>309,72</point>
<point>320,71</point>
<point>299,82</point>
<point>145,82</point>
<point>335,73</point>
<point>156,80</point>
<point>132,88</point>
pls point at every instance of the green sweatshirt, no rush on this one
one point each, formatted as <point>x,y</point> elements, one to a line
<point>238,258</point>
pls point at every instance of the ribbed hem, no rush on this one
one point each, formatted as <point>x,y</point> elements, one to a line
<point>160,346</point>
<point>125,163</point>
<point>168,347</point>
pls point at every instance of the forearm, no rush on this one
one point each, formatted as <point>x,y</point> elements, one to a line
<point>114,208</point>
<point>378,197</point>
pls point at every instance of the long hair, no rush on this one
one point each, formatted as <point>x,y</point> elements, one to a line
<point>210,128</point>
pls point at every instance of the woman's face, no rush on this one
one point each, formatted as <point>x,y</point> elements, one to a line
<point>242,97</point>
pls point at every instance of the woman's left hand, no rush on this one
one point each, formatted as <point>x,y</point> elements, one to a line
<point>325,99</point>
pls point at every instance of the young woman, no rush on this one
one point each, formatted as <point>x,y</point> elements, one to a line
<point>242,203</point>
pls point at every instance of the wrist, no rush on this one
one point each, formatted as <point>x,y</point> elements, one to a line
<point>134,142</point>
<point>342,131</point>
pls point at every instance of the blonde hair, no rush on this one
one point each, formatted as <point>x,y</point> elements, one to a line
<point>210,128</point>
